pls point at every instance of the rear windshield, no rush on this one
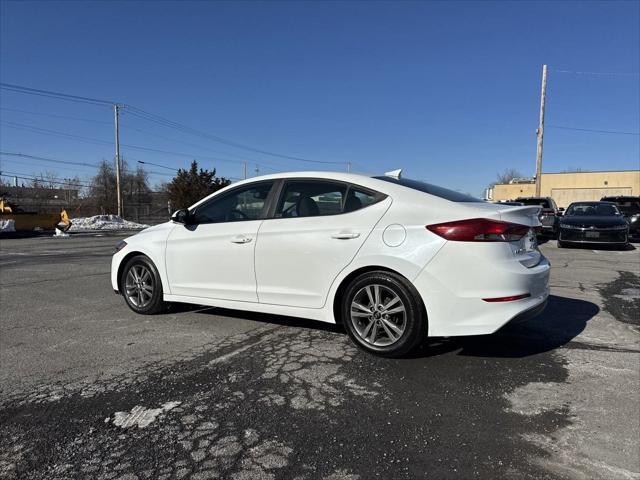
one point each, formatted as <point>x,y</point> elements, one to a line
<point>435,190</point>
<point>542,202</point>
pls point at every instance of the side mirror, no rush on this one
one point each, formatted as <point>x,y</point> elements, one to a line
<point>181,216</point>
<point>561,209</point>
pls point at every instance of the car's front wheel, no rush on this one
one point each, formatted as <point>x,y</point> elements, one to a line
<point>383,314</point>
<point>141,286</point>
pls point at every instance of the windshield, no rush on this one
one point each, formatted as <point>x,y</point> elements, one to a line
<point>543,202</point>
<point>628,206</point>
<point>592,209</point>
<point>435,190</point>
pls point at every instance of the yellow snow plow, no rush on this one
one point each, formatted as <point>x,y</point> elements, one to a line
<point>28,221</point>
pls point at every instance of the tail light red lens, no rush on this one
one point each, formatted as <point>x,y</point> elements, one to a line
<point>507,299</point>
<point>480,230</point>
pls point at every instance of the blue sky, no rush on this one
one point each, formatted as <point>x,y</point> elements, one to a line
<point>449,91</point>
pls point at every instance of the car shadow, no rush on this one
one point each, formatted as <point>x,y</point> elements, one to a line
<point>562,320</point>
<point>294,322</point>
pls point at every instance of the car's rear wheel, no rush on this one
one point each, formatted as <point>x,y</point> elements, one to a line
<point>383,314</point>
<point>141,286</point>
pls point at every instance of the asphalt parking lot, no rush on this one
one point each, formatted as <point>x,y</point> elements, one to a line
<point>91,390</point>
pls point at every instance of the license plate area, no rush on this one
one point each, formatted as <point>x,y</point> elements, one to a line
<point>527,244</point>
<point>592,234</point>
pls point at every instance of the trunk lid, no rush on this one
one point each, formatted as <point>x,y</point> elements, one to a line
<point>524,250</point>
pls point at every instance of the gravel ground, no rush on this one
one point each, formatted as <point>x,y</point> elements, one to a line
<point>88,389</point>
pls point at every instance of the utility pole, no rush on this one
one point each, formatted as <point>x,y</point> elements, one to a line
<point>540,131</point>
<point>348,167</point>
<point>257,170</point>
<point>118,189</point>
<point>244,170</point>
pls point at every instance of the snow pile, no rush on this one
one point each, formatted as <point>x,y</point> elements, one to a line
<point>60,233</point>
<point>104,222</point>
<point>7,226</point>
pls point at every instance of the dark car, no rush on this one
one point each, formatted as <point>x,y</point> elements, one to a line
<point>630,208</point>
<point>549,214</point>
<point>593,222</point>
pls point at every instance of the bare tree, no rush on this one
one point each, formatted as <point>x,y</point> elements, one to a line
<point>508,175</point>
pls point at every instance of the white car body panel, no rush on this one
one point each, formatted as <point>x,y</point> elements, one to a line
<point>204,260</point>
<point>298,258</point>
<point>293,267</point>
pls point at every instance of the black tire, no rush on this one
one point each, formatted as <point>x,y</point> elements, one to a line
<point>150,304</point>
<point>413,317</point>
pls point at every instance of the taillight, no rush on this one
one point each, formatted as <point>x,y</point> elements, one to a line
<point>507,299</point>
<point>480,230</point>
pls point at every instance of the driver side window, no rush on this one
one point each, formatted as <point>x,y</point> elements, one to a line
<point>238,205</point>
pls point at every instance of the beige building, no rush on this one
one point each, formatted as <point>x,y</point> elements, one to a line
<point>565,188</point>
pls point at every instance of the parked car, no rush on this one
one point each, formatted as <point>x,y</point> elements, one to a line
<point>593,222</point>
<point>392,259</point>
<point>630,208</point>
<point>549,213</point>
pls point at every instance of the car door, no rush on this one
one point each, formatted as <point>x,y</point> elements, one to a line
<point>317,229</point>
<point>213,256</point>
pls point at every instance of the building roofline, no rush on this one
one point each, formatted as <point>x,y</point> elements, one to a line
<point>570,173</point>
<point>593,171</point>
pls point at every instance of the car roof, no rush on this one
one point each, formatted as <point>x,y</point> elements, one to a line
<point>620,197</point>
<point>387,188</point>
<point>533,198</point>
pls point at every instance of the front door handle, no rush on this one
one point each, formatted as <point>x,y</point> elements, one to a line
<point>345,235</point>
<point>241,239</point>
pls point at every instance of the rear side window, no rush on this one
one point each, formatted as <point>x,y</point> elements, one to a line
<point>435,190</point>
<point>313,198</point>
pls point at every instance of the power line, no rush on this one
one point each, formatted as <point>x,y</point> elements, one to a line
<point>613,74</point>
<point>44,159</point>
<point>58,95</point>
<point>46,131</point>
<point>157,165</point>
<point>81,138</point>
<point>56,116</point>
<point>178,126</point>
<point>593,130</point>
<point>157,119</point>
<point>67,162</point>
<point>26,176</point>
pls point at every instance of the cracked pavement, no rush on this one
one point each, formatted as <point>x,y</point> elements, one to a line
<point>90,390</point>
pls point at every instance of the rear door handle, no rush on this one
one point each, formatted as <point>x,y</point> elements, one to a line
<point>345,235</point>
<point>241,239</point>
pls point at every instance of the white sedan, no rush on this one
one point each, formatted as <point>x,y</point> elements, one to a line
<point>394,260</point>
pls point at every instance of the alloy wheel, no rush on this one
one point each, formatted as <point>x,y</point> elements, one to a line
<point>378,315</point>
<point>139,285</point>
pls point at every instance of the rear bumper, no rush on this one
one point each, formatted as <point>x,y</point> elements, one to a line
<point>528,314</point>
<point>455,283</point>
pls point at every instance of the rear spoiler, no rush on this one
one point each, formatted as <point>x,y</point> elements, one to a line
<point>525,215</point>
